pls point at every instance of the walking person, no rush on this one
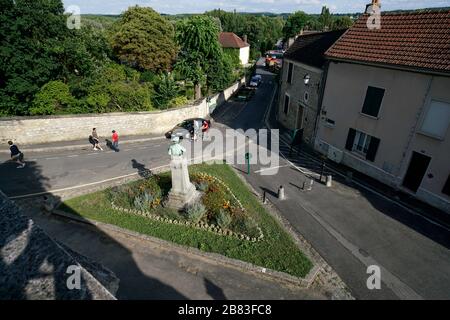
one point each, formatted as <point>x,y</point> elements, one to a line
<point>96,140</point>
<point>205,127</point>
<point>16,155</point>
<point>115,140</point>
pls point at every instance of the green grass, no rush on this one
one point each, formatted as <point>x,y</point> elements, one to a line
<point>277,251</point>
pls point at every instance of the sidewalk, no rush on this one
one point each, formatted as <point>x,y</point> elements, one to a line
<point>354,225</point>
<point>148,270</point>
<point>312,161</point>
<point>82,144</point>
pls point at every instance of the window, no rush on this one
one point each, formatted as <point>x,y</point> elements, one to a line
<point>290,72</point>
<point>330,122</point>
<point>437,119</point>
<point>372,103</point>
<point>363,144</point>
<point>446,189</point>
<point>286,104</point>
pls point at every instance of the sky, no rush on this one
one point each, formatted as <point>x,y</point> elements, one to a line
<point>276,6</point>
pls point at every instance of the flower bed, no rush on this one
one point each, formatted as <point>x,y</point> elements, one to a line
<point>220,211</point>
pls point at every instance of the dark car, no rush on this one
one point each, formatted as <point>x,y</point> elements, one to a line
<point>245,94</point>
<point>185,129</point>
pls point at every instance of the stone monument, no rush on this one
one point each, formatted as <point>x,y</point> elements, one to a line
<point>183,192</point>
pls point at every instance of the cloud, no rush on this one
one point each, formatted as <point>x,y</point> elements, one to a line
<point>200,6</point>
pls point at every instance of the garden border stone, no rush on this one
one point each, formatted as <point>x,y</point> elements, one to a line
<point>277,276</point>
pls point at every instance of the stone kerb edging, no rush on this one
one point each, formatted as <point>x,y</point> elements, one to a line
<point>201,225</point>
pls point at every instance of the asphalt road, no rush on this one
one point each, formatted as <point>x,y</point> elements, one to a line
<point>350,228</point>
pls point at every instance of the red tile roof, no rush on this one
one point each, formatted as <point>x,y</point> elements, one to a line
<point>419,40</point>
<point>231,40</point>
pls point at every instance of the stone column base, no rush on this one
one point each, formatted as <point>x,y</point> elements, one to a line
<point>179,201</point>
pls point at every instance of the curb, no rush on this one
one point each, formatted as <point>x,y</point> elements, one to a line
<point>320,266</point>
<point>277,276</point>
<point>85,146</point>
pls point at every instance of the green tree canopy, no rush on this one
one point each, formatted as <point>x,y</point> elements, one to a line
<point>37,48</point>
<point>200,35</point>
<point>201,57</point>
<point>145,40</point>
<point>325,19</point>
<point>343,22</point>
<point>295,24</point>
<point>54,97</point>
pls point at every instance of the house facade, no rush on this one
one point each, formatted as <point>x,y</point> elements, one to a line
<point>302,77</point>
<point>386,103</point>
<point>229,40</point>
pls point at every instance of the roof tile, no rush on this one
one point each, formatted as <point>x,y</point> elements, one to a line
<point>411,39</point>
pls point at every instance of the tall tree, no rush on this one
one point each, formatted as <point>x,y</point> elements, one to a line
<point>32,33</point>
<point>145,40</point>
<point>295,24</point>
<point>325,18</point>
<point>198,38</point>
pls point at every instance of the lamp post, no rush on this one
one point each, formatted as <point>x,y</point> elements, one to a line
<point>306,79</point>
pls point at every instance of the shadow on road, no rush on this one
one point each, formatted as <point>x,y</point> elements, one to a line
<point>143,172</point>
<point>214,291</point>
<point>27,266</point>
<point>387,208</point>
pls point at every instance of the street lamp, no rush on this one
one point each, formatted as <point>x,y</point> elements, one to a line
<point>306,79</point>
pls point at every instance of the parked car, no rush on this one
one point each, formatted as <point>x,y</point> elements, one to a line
<point>185,129</point>
<point>256,81</point>
<point>245,94</point>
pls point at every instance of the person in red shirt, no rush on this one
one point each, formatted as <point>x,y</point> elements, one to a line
<point>115,140</point>
<point>205,127</point>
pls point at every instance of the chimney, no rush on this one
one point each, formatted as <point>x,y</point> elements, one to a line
<point>245,38</point>
<point>375,3</point>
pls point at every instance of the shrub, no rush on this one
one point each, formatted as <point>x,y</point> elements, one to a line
<point>195,212</point>
<point>144,201</point>
<point>202,186</point>
<point>54,97</point>
<point>213,200</point>
<point>166,89</point>
<point>179,101</point>
<point>151,186</point>
<point>223,219</point>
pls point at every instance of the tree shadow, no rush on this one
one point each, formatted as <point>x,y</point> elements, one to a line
<point>213,290</point>
<point>33,266</point>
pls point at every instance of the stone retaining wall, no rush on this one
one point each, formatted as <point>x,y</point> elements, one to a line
<point>43,129</point>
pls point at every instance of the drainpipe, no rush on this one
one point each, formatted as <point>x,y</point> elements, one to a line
<point>323,82</point>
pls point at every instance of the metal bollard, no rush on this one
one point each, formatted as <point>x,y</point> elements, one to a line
<point>281,193</point>
<point>310,186</point>
<point>329,181</point>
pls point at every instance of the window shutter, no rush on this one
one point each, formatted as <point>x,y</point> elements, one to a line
<point>372,103</point>
<point>373,148</point>
<point>350,139</point>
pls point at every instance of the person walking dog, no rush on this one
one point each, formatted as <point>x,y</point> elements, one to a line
<point>96,140</point>
<point>16,155</point>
